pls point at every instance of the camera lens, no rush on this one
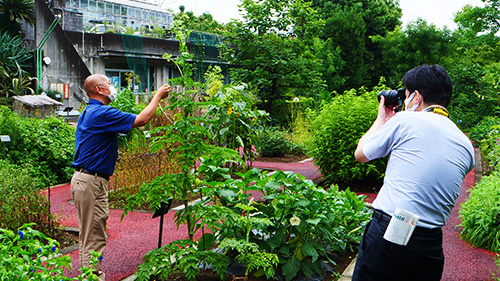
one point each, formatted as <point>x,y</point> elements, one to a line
<point>393,97</point>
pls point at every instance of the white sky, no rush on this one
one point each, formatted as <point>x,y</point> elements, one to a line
<point>438,12</point>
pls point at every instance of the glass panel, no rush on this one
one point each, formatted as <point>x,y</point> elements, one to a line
<point>144,14</point>
<point>92,5</point>
<point>124,10</point>
<point>84,4</point>
<point>116,9</point>
<point>109,8</point>
<point>100,6</point>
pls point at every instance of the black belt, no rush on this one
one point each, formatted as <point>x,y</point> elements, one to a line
<point>382,216</point>
<point>89,172</point>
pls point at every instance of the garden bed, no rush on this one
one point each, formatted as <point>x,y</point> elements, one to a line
<point>208,275</point>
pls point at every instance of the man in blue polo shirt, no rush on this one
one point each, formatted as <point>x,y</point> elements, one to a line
<point>96,152</point>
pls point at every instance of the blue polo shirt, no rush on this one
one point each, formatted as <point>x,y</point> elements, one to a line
<point>96,139</point>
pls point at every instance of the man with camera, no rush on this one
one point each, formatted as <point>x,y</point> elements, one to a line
<point>429,158</point>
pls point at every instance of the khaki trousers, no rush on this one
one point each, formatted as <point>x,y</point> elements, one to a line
<point>90,194</point>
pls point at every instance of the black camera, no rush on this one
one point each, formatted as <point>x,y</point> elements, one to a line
<point>393,97</point>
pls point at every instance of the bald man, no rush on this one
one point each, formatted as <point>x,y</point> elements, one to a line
<point>96,152</point>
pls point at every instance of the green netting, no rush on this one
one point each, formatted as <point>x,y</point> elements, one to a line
<point>134,52</point>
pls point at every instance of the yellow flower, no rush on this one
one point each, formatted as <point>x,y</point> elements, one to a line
<point>229,111</point>
<point>294,221</point>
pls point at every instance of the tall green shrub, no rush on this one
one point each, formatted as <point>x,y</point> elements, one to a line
<point>483,129</point>
<point>480,214</point>
<point>335,135</point>
<point>490,147</point>
<point>273,143</point>
<point>43,146</point>
<point>20,202</point>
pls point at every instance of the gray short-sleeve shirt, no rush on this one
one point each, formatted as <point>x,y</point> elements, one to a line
<point>428,160</point>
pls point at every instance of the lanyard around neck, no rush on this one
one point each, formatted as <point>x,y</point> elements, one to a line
<point>438,110</point>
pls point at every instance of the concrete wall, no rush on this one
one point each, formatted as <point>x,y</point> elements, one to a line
<point>66,67</point>
<point>76,54</point>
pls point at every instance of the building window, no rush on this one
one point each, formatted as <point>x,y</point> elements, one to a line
<point>109,8</point>
<point>92,5</point>
<point>116,10</point>
<point>84,4</point>
<point>74,3</point>
<point>100,6</point>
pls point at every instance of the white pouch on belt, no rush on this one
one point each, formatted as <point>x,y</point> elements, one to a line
<point>401,227</point>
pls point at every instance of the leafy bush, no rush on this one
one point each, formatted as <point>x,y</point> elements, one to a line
<point>54,94</point>
<point>290,231</point>
<point>232,108</point>
<point>30,255</point>
<point>43,146</point>
<point>480,214</point>
<point>273,143</point>
<point>300,222</point>
<point>481,130</point>
<point>335,135</point>
<point>490,147</point>
<point>20,202</point>
<point>470,102</point>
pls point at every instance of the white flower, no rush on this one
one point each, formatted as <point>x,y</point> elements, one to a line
<point>294,221</point>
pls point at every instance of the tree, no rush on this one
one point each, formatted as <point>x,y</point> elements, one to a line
<point>349,25</point>
<point>12,12</point>
<point>203,23</point>
<point>474,67</point>
<point>480,19</point>
<point>420,43</point>
<point>273,49</point>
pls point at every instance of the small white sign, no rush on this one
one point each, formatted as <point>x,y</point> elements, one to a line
<point>5,138</point>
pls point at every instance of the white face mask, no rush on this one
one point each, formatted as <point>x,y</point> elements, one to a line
<point>113,93</point>
<point>407,102</point>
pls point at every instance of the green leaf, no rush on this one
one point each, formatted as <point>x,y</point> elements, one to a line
<point>291,268</point>
<point>309,250</point>
<point>206,241</point>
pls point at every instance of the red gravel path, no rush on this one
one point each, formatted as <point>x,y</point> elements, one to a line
<point>137,234</point>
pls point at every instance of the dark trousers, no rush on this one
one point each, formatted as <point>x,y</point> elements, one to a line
<point>378,259</point>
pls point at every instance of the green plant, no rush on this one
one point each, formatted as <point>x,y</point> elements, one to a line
<point>273,142</point>
<point>252,257</point>
<point>43,146</point>
<point>126,102</point>
<point>30,255</point>
<point>20,202</point>
<point>490,147</point>
<point>236,122</point>
<point>481,130</point>
<point>14,57</point>
<point>187,139</point>
<point>497,262</point>
<point>180,256</point>
<point>295,219</point>
<point>480,214</point>
<point>53,94</point>
<point>336,131</point>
